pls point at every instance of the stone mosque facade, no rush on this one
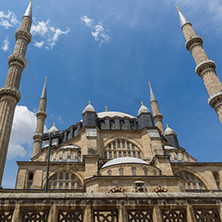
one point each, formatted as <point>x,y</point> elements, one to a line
<point>110,166</point>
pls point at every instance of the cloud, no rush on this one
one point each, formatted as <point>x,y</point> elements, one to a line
<point>8,20</point>
<point>23,129</point>
<point>48,34</point>
<point>97,30</point>
<point>39,44</point>
<point>5,45</point>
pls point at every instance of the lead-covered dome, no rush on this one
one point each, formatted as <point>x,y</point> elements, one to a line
<point>124,160</point>
<point>88,108</point>
<point>112,114</point>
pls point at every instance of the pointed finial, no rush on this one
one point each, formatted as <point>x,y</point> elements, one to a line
<point>183,20</point>
<point>106,108</point>
<point>141,102</point>
<point>53,124</point>
<point>28,11</point>
<point>89,102</point>
<point>167,125</point>
<point>152,97</point>
<point>44,93</point>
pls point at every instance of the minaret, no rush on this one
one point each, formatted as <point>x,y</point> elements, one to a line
<point>41,115</point>
<point>157,116</point>
<point>205,68</point>
<point>9,94</point>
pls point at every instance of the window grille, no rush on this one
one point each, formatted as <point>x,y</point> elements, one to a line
<point>174,215</point>
<point>209,215</point>
<point>35,216</point>
<point>6,216</point>
<point>105,216</point>
<point>70,216</point>
<point>140,215</point>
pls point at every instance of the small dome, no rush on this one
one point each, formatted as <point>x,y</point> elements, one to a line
<point>53,129</point>
<point>169,131</point>
<point>124,160</point>
<point>88,108</point>
<point>143,109</point>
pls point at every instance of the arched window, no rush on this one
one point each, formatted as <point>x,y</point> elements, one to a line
<point>30,180</point>
<point>121,172</point>
<point>133,171</point>
<point>145,171</point>
<point>192,182</point>
<point>109,173</point>
<point>64,180</point>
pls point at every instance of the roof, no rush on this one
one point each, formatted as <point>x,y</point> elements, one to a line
<point>114,114</point>
<point>53,129</point>
<point>88,108</point>
<point>143,109</point>
<point>124,160</point>
<point>28,11</point>
<point>169,131</point>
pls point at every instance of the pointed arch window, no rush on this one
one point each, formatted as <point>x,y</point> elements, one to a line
<point>192,182</point>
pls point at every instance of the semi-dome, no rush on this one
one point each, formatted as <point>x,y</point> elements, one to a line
<point>124,160</point>
<point>114,114</point>
<point>143,109</point>
<point>88,108</point>
<point>169,131</point>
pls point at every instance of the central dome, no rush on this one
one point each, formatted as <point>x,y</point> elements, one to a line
<point>124,160</point>
<point>114,114</point>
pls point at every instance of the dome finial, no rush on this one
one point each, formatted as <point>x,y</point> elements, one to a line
<point>89,102</point>
<point>141,102</point>
<point>53,124</point>
<point>167,125</point>
<point>106,107</point>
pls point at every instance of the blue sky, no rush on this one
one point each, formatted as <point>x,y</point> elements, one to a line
<point>107,52</point>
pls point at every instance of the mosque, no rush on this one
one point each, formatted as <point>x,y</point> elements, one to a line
<point>110,166</point>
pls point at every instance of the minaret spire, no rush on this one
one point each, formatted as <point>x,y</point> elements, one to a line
<point>41,115</point>
<point>9,94</point>
<point>183,20</point>
<point>157,116</point>
<point>205,68</point>
<point>28,11</point>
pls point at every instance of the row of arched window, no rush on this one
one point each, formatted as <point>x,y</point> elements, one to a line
<point>121,148</point>
<point>133,172</point>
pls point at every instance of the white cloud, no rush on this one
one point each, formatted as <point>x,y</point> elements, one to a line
<point>97,30</point>
<point>39,44</point>
<point>56,33</point>
<point>5,45</point>
<point>40,28</point>
<point>88,21</point>
<point>8,20</point>
<point>49,35</point>
<point>23,129</point>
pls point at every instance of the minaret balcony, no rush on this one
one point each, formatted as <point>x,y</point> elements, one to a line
<point>204,66</point>
<point>193,41</point>
<point>215,100</point>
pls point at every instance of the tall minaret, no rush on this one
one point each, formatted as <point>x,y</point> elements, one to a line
<point>41,115</point>
<point>157,116</point>
<point>205,68</point>
<point>9,94</point>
